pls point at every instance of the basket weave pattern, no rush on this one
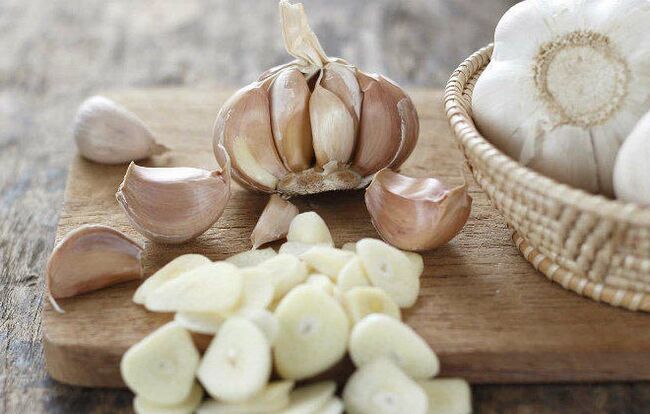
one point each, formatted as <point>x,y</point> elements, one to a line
<point>591,245</point>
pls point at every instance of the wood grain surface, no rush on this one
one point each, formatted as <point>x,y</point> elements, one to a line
<point>482,308</point>
<point>56,53</point>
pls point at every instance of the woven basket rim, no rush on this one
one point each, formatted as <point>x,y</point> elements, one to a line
<point>531,180</point>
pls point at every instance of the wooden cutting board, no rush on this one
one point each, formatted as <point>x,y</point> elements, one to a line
<point>486,312</point>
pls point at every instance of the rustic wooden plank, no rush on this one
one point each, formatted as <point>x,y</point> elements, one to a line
<point>483,308</point>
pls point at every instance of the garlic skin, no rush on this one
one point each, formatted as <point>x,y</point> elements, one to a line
<point>88,258</point>
<point>108,133</point>
<point>566,84</point>
<point>274,222</point>
<point>174,205</point>
<point>416,214</point>
<point>631,171</point>
<point>332,125</point>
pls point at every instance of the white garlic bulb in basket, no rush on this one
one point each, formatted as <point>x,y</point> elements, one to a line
<point>631,171</point>
<point>567,82</point>
<point>315,124</point>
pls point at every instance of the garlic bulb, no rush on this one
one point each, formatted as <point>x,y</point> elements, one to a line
<point>315,124</point>
<point>174,205</point>
<point>108,133</point>
<point>631,170</point>
<point>416,213</point>
<point>274,222</point>
<point>89,258</point>
<point>567,83</point>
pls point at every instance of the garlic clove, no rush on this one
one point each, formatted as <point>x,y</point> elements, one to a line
<point>409,125</point>
<point>416,213</point>
<point>290,119</point>
<point>333,128</point>
<point>108,133</point>
<point>243,128</point>
<point>341,80</point>
<point>380,128</point>
<point>88,258</point>
<point>274,222</point>
<point>173,205</point>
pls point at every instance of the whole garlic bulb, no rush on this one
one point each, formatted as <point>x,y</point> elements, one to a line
<point>567,83</point>
<point>631,171</point>
<point>315,124</point>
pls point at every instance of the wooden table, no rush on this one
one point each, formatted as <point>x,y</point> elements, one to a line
<point>56,53</point>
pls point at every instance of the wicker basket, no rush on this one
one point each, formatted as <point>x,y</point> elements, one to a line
<point>591,245</point>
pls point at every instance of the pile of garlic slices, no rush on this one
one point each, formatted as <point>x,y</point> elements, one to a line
<point>295,313</point>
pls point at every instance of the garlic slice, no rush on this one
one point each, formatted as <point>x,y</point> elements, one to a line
<point>416,213</point>
<point>380,130</point>
<point>173,205</point>
<point>274,222</point>
<point>243,128</point>
<point>290,119</point>
<point>108,133</point>
<point>88,258</point>
<point>333,127</point>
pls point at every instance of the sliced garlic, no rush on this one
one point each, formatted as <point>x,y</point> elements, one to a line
<point>380,133</point>
<point>170,271</point>
<point>143,406</point>
<point>310,399</point>
<point>250,258</point>
<point>200,322</point>
<point>274,222</point>
<point>259,289</point>
<point>380,387</point>
<point>333,406</point>
<point>327,260</point>
<point>108,133</point>
<point>322,282</point>
<point>352,275</point>
<point>631,177</point>
<point>243,128</point>
<point>173,205</point>
<point>211,288</point>
<point>266,321</point>
<point>313,333</point>
<point>416,259</point>
<point>362,301</point>
<point>271,400</point>
<point>290,119</point>
<point>296,248</point>
<point>379,335</point>
<point>286,272</point>
<point>388,268</point>
<point>309,228</point>
<point>89,258</point>
<point>237,364</point>
<point>161,367</point>
<point>416,213</point>
<point>333,127</point>
<point>448,396</point>
<point>351,246</point>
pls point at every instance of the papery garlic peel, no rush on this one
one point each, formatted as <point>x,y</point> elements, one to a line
<point>566,84</point>
<point>315,124</point>
<point>174,205</point>
<point>416,213</point>
<point>88,258</point>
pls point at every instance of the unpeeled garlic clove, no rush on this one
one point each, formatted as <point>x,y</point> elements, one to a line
<point>290,119</point>
<point>89,258</point>
<point>108,133</point>
<point>380,134</point>
<point>333,127</point>
<point>409,122</point>
<point>243,128</point>
<point>341,80</point>
<point>173,205</point>
<point>416,213</point>
<point>274,222</point>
